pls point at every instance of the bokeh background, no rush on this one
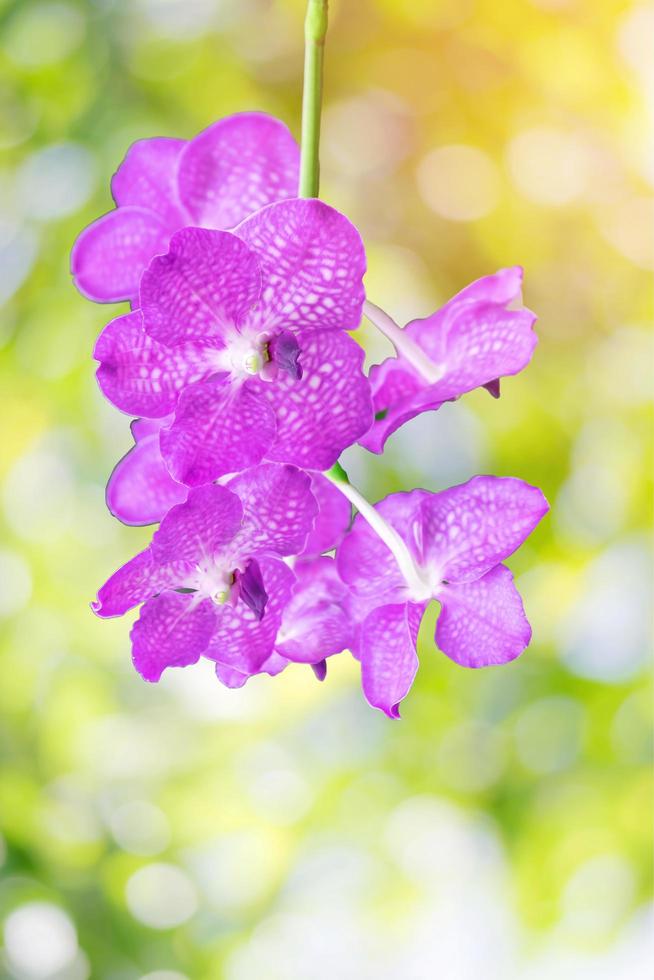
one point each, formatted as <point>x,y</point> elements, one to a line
<point>287,831</point>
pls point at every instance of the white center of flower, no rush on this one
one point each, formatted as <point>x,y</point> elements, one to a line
<point>245,354</point>
<point>212,580</point>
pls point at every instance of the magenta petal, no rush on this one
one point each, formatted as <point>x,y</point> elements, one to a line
<point>320,670</point>
<point>278,506</point>
<point>137,580</point>
<point>328,409</point>
<point>365,562</point>
<point>233,678</point>
<point>141,376</point>
<point>200,527</point>
<point>333,520</point>
<point>109,256</point>
<point>316,622</point>
<point>482,622</point>
<point>172,630</point>
<point>472,527</point>
<point>147,178</point>
<point>473,340</point>
<point>388,655</point>
<point>313,262</point>
<point>204,285</point>
<point>219,428</point>
<point>446,328</point>
<point>237,166</point>
<point>140,489</point>
<point>502,287</point>
<point>476,344</point>
<point>396,391</point>
<point>243,642</point>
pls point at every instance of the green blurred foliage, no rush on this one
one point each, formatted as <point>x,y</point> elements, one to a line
<point>288,830</point>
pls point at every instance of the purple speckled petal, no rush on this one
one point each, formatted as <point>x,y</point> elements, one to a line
<point>139,579</point>
<point>483,622</point>
<point>240,640</point>
<point>396,393</point>
<point>237,166</point>
<point>219,428</point>
<point>204,285</point>
<point>501,287</point>
<point>172,630</point>
<point>473,339</point>
<point>389,660</point>
<point>472,527</point>
<point>364,561</point>
<point>233,678</point>
<point>501,290</point>
<point>278,506</point>
<point>328,409</point>
<point>140,489</point>
<point>333,520</point>
<point>475,344</point>
<point>316,623</point>
<point>200,527</point>
<point>141,376</point>
<point>147,178</point>
<point>313,262</point>
<point>109,256</point>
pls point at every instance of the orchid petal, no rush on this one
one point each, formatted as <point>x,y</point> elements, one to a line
<point>472,527</point>
<point>482,622</point>
<point>139,579</point>
<point>475,344</point>
<point>396,392</point>
<point>316,622</point>
<point>279,508</point>
<point>328,409</point>
<point>235,167</point>
<point>200,289</point>
<point>388,654</point>
<point>172,631</point>
<point>139,375</point>
<point>219,427</point>
<point>333,520</point>
<point>140,489</point>
<point>109,256</point>
<point>501,287</point>
<point>147,178</point>
<point>313,262</point>
<point>233,678</point>
<point>199,528</point>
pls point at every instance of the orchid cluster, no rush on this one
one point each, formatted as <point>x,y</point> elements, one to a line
<point>237,364</point>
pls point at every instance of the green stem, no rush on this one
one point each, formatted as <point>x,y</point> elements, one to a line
<point>315,29</point>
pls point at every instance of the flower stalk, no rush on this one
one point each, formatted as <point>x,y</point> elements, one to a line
<point>403,344</point>
<point>315,30</point>
<point>382,529</point>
